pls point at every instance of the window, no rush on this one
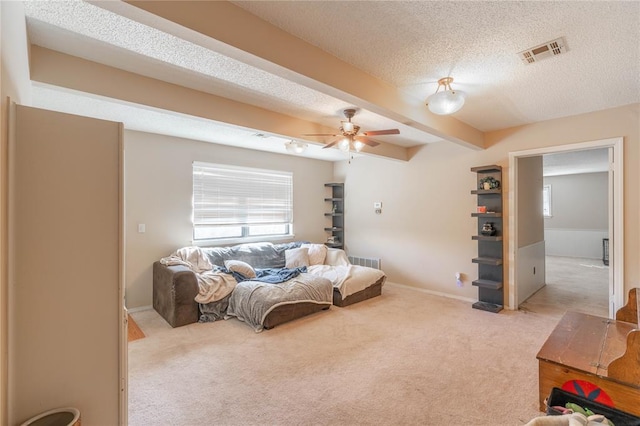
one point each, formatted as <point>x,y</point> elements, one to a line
<point>546,200</point>
<point>240,203</point>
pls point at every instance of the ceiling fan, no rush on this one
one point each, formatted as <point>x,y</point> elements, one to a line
<point>349,139</point>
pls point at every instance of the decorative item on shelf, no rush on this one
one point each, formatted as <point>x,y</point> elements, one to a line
<point>333,240</point>
<point>488,182</point>
<point>482,209</point>
<point>488,229</point>
<point>335,208</point>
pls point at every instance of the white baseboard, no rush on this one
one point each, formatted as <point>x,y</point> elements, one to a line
<point>139,309</point>
<point>434,293</point>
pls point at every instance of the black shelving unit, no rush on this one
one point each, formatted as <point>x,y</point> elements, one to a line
<point>335,201</point>
<point>490,251</point>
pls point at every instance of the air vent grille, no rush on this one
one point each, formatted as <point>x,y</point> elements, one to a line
<point>543,51</point>
<point>371,262</point>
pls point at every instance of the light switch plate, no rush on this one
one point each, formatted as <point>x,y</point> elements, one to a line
<point>377,205</point>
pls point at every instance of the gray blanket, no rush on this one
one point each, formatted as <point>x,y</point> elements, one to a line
<point>213,311</point>
<point>252,301</point>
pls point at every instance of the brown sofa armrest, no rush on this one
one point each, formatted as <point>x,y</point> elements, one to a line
<point>174,290</point>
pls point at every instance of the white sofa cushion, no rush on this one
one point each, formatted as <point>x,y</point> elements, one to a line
<point>240,267</point>
<point>295,258</point>
<point>317,253</point>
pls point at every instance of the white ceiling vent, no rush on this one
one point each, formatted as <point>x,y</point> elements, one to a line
<point>543,51</point>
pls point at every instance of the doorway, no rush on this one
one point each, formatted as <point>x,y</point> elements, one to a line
<point>519,262</point>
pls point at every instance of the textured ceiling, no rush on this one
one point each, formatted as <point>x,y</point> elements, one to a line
<point>408,45</point>
<point>84,30</point>
<point>413,44</point>
<point>574,162</point>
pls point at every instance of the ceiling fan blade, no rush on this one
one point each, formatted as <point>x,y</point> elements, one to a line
<point>330,144</point>
<point>366,141</point>
<point>319,134</point>
<point>382,132</point>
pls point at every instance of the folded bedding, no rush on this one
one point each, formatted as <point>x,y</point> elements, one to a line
<point>251,301</point>
<point>348,279</point>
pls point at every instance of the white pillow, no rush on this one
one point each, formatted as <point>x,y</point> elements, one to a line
<point>317,253</point>
<point>295,258</point>
<point>240,267</point>
<point>336,257</point>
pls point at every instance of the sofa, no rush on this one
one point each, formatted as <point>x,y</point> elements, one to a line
<point>176,286</point>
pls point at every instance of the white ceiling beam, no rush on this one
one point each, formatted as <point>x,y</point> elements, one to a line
<point>59,69</point>
<point>229,29</point>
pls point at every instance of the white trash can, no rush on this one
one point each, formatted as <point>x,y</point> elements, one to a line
<point>67,416</point>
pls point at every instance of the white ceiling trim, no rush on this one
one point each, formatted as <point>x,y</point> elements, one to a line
<point>154,120</point>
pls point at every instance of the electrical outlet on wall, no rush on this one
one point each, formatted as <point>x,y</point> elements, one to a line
<point>459,279</point>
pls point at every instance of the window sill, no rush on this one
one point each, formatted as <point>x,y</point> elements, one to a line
<point>235,241</point>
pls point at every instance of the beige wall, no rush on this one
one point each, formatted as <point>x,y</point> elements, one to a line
<point>14,84</point>
<point>580,215</point>
<point>530,218</point>
<point>579,201</point>
<point>530,253</point>
<point>65,255</point>
<point>158,193</point>
<point>424,232</point>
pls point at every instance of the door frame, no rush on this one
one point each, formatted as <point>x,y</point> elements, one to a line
<point>616,216</point>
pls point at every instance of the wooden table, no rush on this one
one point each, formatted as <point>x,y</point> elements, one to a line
<point>599,350</point>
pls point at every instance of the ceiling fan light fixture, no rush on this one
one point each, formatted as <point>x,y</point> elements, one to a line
<point>349,139</point>
<point>348,126</point>
<point>295,147</point>
<point>448,101</point>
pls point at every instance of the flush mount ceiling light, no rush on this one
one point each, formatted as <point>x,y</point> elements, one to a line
<point>448,101</point>
<point>295,147</point>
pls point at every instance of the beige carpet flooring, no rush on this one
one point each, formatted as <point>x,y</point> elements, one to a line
<point>573,284</point>
<point>405,358</point>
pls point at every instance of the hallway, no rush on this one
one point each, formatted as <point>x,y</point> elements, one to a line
<point>573,284</point>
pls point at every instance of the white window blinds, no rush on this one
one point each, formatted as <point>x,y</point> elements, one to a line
<point>225,196</point>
